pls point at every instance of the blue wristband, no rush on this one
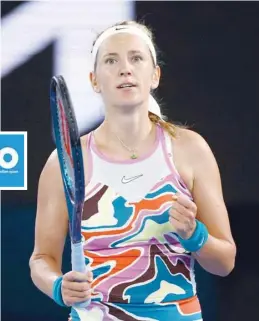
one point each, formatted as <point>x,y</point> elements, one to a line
<point>197,240</point>
<point>56,292</point>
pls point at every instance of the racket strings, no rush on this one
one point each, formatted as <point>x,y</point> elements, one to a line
<point>77,150</point>
<point>66,149</point>
<point>67,126</point>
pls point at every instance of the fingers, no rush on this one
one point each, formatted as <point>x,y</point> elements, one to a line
<point>185,201</point>
<point>75,296</point>
<point>178,209</point>
<point>182,215</point>
<point>178,226</point>
<point>78,276</point>
<point>174,215</point>
<point>76,287</point>
<point>179,221</point>
<point>71,297</point>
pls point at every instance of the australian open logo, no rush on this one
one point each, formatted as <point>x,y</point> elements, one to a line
<point>13,160</point>
<point>8,160</point>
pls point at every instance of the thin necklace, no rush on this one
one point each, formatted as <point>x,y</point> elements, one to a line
<point>131,150</point>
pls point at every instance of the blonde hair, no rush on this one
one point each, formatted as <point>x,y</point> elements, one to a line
<point>167,126</point>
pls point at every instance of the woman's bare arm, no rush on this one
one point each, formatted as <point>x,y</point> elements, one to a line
<point>218,254</point>
<point>50,228</point>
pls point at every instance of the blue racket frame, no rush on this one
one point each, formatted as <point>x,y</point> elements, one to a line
<point>75,202</point>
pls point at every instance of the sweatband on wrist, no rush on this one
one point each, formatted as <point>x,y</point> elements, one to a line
<point>197,240</point>
<point>56,292</point>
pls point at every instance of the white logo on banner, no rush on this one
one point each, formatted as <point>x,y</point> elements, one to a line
<point>8,164</point>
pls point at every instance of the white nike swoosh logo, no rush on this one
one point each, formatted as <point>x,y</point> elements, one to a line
<point>125,180</point>
<point>200,244</point>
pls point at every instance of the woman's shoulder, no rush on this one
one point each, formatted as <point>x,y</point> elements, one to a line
<point>51,167</point>
<point>190,151</point>
<point>190,141</point>
<point>52,163</point>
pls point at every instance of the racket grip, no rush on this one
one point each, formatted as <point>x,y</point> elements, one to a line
<point>78,265</point>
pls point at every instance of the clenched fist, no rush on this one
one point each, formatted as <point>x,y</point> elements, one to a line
<point>182,215</point>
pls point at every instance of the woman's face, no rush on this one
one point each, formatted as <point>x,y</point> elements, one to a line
<point>125,71</point>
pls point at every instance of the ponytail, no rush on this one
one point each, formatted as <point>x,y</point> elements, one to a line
<point>168,127</point>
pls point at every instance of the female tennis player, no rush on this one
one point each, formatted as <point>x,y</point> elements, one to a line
<point>153,204</point>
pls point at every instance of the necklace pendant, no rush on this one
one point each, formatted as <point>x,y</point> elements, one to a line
<point>133,156</point>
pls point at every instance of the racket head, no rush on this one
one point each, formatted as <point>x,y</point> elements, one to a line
<point>69,151</point>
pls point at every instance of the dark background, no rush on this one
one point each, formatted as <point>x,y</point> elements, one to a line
<point>209,81</point>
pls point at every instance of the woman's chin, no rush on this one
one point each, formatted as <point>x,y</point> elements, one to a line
<point>129,103</point>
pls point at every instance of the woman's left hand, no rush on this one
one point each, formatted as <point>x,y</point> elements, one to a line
<point>182,216</point>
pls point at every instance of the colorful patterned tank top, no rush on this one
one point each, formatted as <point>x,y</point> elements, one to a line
<point>136,258</point>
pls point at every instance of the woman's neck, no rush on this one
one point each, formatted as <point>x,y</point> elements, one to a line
<point>126,132</point>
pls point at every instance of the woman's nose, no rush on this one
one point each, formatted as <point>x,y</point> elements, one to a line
<point>125,69</point>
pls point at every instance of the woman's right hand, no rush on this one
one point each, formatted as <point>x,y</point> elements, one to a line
<point>76,287</point>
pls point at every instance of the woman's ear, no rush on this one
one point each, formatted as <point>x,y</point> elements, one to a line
<point>156,78</point>
<point>94,83</point>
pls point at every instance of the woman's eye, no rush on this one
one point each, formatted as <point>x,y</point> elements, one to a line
<point>110,61</point>
<point>137,58</point>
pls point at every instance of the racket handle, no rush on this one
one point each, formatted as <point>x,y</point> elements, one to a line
<point>78,265</point>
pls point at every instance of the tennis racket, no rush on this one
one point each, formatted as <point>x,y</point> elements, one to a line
<point>67,139</point>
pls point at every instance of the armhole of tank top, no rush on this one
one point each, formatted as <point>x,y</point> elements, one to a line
<point>89,159</point>
<point>167,143</point>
